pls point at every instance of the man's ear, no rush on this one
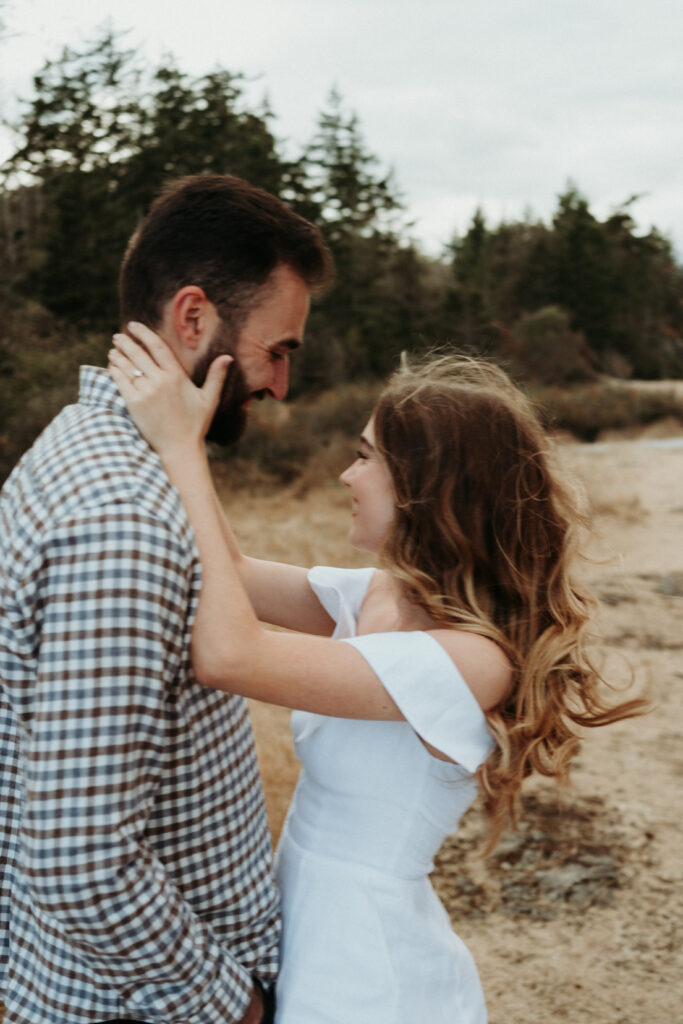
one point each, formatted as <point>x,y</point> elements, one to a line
<point>194,317</point>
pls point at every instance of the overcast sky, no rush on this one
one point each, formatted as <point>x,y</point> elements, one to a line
<point>495,104</point>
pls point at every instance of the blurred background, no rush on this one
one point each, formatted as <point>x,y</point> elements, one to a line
<point>502,179</point>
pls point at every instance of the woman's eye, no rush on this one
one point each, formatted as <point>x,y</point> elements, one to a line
<point>361,455</point>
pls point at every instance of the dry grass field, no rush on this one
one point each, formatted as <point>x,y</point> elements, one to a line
<point>577,917</point>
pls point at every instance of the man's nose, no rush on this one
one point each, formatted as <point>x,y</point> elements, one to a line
<point>280,381</point>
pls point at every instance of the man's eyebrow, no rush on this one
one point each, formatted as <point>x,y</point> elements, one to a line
<point>289,343</point>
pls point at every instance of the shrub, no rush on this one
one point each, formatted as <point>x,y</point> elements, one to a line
<point>586,411</point>
<point>543,348</point>
<point>282,439</point>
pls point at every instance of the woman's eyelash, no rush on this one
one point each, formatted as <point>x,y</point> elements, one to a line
<point>361,455</point>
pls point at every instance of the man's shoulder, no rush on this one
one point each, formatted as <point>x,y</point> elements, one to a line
<point>88,460</point>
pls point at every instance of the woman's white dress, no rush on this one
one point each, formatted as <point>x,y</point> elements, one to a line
<point>366,940</point>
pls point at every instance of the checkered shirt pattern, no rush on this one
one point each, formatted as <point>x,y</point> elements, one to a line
<point>136,862</point>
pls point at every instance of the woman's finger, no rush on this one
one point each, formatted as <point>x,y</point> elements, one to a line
<point>123,382</point>
<point>127,368</point>
<point>156,346</point>
<point>123,363</point>
<point>136,355</point>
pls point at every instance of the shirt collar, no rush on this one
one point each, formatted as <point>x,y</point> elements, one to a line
<point>97,388</point>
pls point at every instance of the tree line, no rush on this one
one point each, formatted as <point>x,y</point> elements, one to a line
<point>559,302</point>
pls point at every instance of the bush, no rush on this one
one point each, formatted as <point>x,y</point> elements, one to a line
<point>283,438</point>
<point>543,348</point>
<point>588,410</point>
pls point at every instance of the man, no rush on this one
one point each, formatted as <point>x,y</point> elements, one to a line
<point>136,877</point>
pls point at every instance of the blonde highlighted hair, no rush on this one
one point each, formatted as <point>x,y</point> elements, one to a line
<point>485,539</point>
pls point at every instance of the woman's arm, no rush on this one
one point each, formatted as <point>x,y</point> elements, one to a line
<point>232,651</point>
<point>279,592</point>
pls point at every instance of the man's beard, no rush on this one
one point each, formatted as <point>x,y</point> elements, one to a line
<point>230,419</point>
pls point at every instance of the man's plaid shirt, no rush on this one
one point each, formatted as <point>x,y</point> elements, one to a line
<point>136,877</point>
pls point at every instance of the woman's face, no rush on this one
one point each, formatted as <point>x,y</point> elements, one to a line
<point>372,495</point>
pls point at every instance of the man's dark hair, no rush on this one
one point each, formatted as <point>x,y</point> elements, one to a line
<point>222,234</point>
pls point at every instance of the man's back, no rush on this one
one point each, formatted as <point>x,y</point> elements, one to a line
<point>137,879</point>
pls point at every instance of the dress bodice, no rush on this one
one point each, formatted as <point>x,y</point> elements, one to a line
<point>370,792</point>
<point>365,936</point>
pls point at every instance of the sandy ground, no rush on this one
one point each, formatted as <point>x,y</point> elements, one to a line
<point>577,917</point>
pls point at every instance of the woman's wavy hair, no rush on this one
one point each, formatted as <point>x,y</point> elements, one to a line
<point>485,539</point>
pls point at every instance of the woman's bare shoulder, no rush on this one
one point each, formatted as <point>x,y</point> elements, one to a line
<point>482,663</point>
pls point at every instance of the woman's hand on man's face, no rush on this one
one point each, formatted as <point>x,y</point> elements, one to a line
<point>168,409</point>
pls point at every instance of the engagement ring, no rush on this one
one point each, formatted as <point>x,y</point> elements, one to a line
<point>136,373</point>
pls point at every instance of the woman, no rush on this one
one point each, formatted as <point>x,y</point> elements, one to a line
<point>459,663</point>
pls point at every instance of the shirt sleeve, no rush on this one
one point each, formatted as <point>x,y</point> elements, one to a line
<point>430,692</point>
<point>115,593</point>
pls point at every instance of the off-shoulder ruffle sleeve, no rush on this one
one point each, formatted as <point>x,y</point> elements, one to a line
<point>431,693</point>
<point>341,593</point>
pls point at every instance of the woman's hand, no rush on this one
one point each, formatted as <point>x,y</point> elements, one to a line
<point>171,413</point>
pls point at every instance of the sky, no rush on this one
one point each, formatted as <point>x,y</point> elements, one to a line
<point>497,105</point>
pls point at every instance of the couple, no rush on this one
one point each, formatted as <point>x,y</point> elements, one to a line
<point>136,860</point>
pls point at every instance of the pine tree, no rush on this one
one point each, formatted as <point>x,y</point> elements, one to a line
<point>100,137</point>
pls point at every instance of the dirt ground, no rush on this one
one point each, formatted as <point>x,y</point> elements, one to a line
<point>577,917</point>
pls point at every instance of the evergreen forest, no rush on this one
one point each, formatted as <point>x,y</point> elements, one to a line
<point>564,305</point>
